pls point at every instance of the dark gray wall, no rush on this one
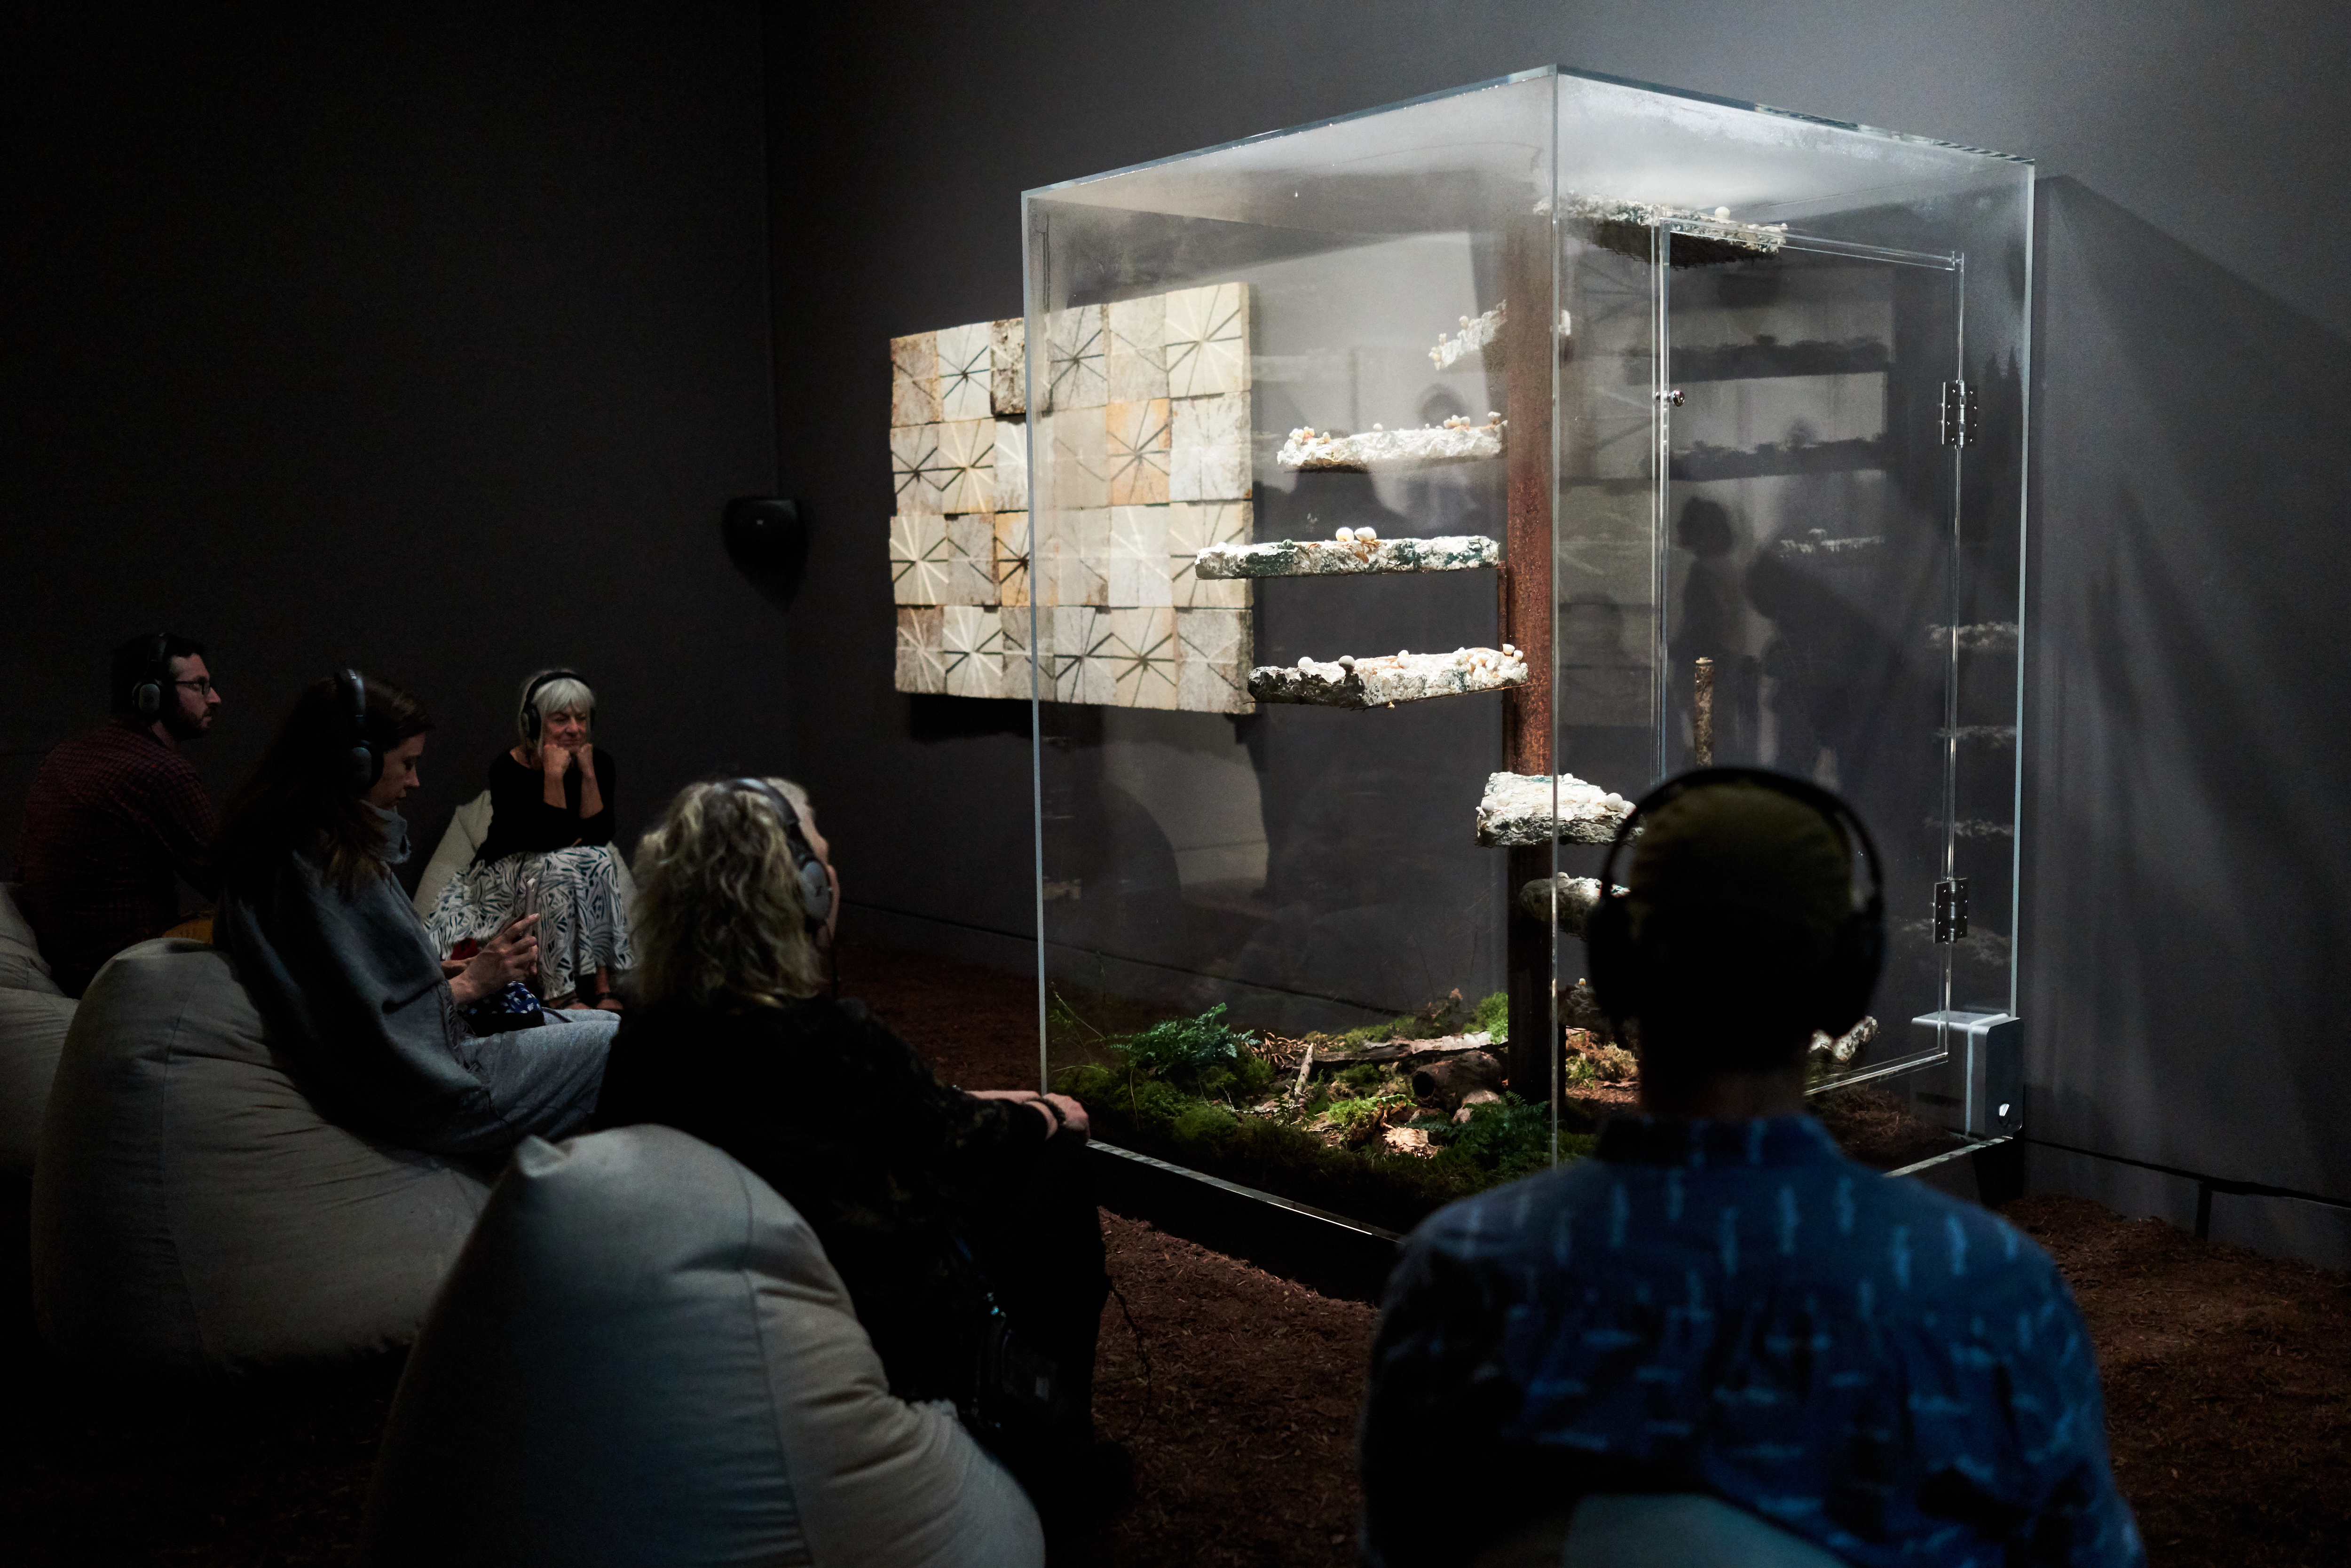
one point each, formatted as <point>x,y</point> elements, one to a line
<point>430,342</point>
<point>2184,922</point>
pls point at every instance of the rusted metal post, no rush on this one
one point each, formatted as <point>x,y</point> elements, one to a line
<point>1529,365</point>
<point>1702,714</point>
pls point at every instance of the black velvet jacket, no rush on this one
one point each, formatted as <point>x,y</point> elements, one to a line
<point>840,1116</point>
<point>522,823</point>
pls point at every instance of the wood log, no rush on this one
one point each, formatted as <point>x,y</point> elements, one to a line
<point>1402,1052</point>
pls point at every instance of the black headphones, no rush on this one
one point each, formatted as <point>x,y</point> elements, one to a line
<point>147,695</point>
<point>366,761</point>
<point>531,720</point>
<point>816,888</point>
<point>1623,978</point>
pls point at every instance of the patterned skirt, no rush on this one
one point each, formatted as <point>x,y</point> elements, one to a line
<point>584,920</point>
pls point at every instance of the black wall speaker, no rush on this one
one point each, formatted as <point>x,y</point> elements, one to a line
<point>765,538</point>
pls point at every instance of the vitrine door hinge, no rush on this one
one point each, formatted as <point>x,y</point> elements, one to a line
<point>1951,909</point>
<point>1958,414</point>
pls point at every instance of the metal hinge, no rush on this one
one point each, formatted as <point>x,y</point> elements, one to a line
<point>1958,414</point>
<point>1951,909</point>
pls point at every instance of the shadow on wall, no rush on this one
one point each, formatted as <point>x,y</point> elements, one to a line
<point>2188,879</point>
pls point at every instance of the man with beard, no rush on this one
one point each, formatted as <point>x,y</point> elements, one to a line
<point>116,815</point>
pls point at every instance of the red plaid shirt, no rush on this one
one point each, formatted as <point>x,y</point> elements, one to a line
<point>113,817</point>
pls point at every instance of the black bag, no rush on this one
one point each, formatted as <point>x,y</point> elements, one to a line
<point>1017,1403</point>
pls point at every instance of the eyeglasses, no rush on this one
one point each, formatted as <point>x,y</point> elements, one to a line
<point>203,685</point>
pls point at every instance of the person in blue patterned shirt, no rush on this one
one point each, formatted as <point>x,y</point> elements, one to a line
<point>1719,1302</point>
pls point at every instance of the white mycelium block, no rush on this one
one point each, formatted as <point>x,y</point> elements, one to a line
<point>1085,667</point>
<point>1076,467</point>
<point>914,468</point>
<point>966,465</point>
<point>1007,365</point>
<point>1208,339</point>
<point>1010,530</point>
<point>1142,657</point>
<point>970,559</point>
<point>1135,441</point>
<point>1075,343</point>
<point>919,558</point>
<point>971,651</point>
<point>1518,809</point>
<point>1011,469</point>
<point>1209,460</point>
<point>1328,558</point>
<point>1455,440</point>
<point>1212,652</point>
<point>967,369</point>
<point>1194,527</point>
<point>920,633</point>
<point>1137,573</point>
<point>1401,678</point>
<point>1475,335</point>
<point>915,378</point>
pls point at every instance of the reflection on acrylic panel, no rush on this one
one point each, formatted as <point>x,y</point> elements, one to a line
<point>1145,408</point>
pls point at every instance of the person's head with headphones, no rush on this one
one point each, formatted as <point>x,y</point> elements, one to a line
<point>736,897</point>
<point>557,711</point>
<point>158,680</point>
<point>341,760</point>
<point>1750,918</point>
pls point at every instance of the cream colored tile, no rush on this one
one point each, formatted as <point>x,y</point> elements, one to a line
<point>971,559</point>
<point>967,466</point>
<point>1075,345</point>
<point>1011,465</point>
<point>1143,654</point>
<point>1015,626</point>
<point>1137,573</point>
<point>1136,446</point>
<point>1135,360</point>
<point>914,466</point>
<point>1084,666</point>
<point>1084,556</point>
<point>1207,341</point>
<point>1209,456</point>
<point>918,558</point>
<point>1075,472</point>
<point>965,372</point>
<point>971,651</point>
<point>920,632</point>
<point>915,379</point>
<point>1212,661</point>
<point>1011,542</point>
<point>1192,527</point>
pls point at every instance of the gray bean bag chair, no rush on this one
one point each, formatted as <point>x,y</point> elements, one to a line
<point>33,1015</point>
<point>192,1213</point>
<point>643,1356</point>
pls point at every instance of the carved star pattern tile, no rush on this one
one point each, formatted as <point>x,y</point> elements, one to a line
<point>918,558</point>
<point>970,559</point>
<point>1212,661</point>
<point>1076,472</point>
<point>1143,658</point>
<point>1207,341</point>
<point>1073,358</point>
<point>967,466</point>
<point>1208,458</point>
<point>1136,573</point>
<point>1192,527</point>
<point>914,466</point>
<point>920,632</point>
<point>915,378</point>
<point>971,651</point>
<point>1007,362</point>
<point>1135,358</point>
<point>966,369</point>
<point>1136,446</point>
<point>1084,663</point>
<point>1011,541</point>
<point>1083,536</point>
<point>1015,627</point>
<point>1011,465</point>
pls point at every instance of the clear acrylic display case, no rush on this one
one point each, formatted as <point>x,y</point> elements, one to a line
<point>1716,417</point>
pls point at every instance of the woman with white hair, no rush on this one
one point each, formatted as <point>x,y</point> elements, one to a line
<point>549,851</point>
<point>928,1199</point>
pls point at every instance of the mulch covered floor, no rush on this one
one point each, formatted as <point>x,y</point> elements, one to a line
<point>2228,1378</point>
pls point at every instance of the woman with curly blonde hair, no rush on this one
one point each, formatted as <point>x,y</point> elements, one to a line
<point>924,1194</point>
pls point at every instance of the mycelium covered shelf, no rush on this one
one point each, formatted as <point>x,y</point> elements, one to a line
<point>1527,808</point>
<point>1457,440</point>
<point>1355,551</point>
<point>1383,681</point>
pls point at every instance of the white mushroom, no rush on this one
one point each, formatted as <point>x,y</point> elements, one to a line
<point>1367,535</point>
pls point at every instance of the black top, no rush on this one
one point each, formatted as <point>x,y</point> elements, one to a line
<point>523,823</point>
<point>840,1116</point>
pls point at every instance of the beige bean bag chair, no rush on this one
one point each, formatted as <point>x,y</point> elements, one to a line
<point>463,839</point>
<point>643,1356</point>
<point>191,1213</point>
<point>33,1015</point>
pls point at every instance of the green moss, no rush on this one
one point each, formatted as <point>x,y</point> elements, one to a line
<point>1493,1016</point>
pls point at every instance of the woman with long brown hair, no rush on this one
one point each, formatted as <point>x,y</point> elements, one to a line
<point>356,1000</point>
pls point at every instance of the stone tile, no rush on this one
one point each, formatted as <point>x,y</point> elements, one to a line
<point>1008,363</point>
<point>918,558</point>
<point>1209,457</point>
<point>1135,359</point>
<point>971,651</point>
<point>918,666</point>
<point>1135,445</point>
<point>1136,572</point>
<point>1075,471</point>
<point>1084,559</point>
<point>970,559</point>
<point>915,379</point>
<point>1014,624</point>
<point>1143,658</point>
<point>914,466</point>
<point>1213,653</point>
<point>1011,540</point>
<point>1074,348</point>
<point>1192,527</point>
<point>1207,341</point>
<point>966,372</point>
<point>967,466</point>
<point>1011,466</point>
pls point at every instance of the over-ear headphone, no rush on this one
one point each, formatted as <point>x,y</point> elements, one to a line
<point>816,888</point>
<point>531,720</point>
<point>147,695</point>
<point>1624,979</point>
<point>366,761</point>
